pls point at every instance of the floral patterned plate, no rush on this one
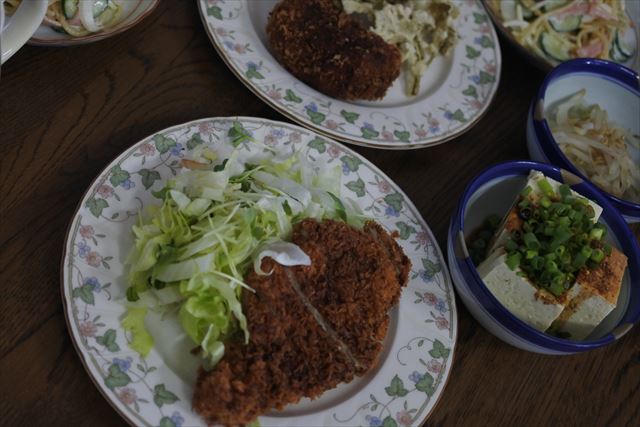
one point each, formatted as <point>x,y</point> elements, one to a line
<point>455,91</point>
<point>157,390</point>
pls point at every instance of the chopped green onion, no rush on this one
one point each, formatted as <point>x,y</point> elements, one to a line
<point>545,202</point>
<point>526,191</point>
<point>531,254</point>
<point>530,241</point>
<point>597,232</point>
<point>564,191</point>
<point>511,245</point>
<point>513,260</point>
<point>545,187</point>
<point>597,255</point>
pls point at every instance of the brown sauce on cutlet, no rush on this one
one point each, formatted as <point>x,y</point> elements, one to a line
<point>352,283</point>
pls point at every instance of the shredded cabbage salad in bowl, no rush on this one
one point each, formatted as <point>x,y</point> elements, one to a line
<point>421,29</point>
<point>220,217</point>
<point>597,146</point>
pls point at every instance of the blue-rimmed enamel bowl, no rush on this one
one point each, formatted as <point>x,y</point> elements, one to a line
<point>493,192</point>
<point>613,86</point>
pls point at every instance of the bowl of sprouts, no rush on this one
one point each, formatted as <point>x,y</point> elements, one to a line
<point>585,118</point>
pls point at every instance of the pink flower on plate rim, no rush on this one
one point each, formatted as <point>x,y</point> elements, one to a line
<point>295,137</point>
<point>331,124</point>
<point>86,231</point>
<point>147,149</point>
<point>206,128</point>
<point>105,191</point>
<point>404,418</point>
<point>220,31</point>
<point>434,366</point>
<point>421,132</point>
<point>490,68</point>
<point>422,237</point>
<point>94,259</point>
<point>127,395</point>
<point>430,298</point>
<point>384,186</point>
<point>274,94</point>
<point>240,48</point>
<point>333,151</point>
<point>88,328</point>
<point>387,136</point>
<point>442,323</point>
<point>271,140</point>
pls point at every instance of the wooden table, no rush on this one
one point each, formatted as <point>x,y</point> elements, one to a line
<point>66,112</point>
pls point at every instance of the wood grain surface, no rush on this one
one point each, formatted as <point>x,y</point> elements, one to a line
<point>65,113</point>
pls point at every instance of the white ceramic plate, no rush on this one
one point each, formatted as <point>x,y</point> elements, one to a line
<point>632,37</point>
<point>418,352</point>
<point>455,91</point>
<point>133,10</point>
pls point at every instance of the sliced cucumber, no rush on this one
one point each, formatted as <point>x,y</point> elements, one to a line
<point>616,55</point>
<point>554,48</point>
<point>568,24</point>
<point>623,47</point>
<point>554,4</point>
<point>70,8</point>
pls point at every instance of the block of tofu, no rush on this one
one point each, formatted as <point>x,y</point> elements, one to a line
<point>511,220</point>
<point>536,307</point>
<point>595,295</point>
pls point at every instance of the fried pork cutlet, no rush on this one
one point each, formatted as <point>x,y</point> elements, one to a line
<point>330,51</point>
<point>312,327</point>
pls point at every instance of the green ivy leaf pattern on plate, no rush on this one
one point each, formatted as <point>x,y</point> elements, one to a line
<point>389,422</point>
<point>96,206</point>
<point>472,53</point>
<point>149,176</point>
<point>118,176</point>
<point>315,116</point>
<point>431,268</point>
<point>318,144</point>
<point>163,144</point>
<point>85,293</point>
<point>349,116</point>
<point>396,388</point>
<point>485,41</point>
<point>479,18</point>
<point>486,78</point>
<point>214,11</point>
<point>252,73</point>
<point>167,422</point>
<point>395,201</point>
<point>357,187</point>
<point>405,230</point>
<point>116,377</point>
<point>439,350</point>
<point>194,141</point>
<point>162,396</point>
<point>426,384</point>
<point>471,91</point>
<point>402,135</point>
<point>369,133</point>
<point>292,97</point>
<point>108,340</point>
<point>352,163</point>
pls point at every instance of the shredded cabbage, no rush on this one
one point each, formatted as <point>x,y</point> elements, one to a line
<point>218,220</point>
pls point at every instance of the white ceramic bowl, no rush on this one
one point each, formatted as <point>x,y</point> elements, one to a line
<point>19,27</point>
<point>493,192</point>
